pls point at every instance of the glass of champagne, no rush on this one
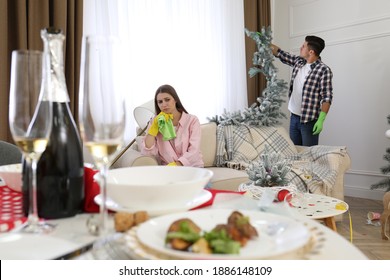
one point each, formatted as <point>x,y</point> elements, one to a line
<point>307,175</point>
<point>30,123</point>
<point>102,107</point>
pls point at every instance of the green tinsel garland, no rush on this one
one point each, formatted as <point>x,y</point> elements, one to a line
<point>266,111</point>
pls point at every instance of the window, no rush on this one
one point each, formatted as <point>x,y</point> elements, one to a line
<point>197,46</point>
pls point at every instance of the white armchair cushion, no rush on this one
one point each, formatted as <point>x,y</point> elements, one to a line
<point>208,143</point>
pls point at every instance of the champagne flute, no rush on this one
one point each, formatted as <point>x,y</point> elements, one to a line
<point>308,175</point>
<point>30,123</point>
<point>102,107</point>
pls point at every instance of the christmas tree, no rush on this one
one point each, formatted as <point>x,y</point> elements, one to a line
<point>266,111</point>
<point>385,183</point>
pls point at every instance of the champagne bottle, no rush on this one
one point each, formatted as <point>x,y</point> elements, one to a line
<point>60,170</point>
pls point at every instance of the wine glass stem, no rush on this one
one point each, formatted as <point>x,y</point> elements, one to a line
<point>33,218</point>
<point>103,207</point>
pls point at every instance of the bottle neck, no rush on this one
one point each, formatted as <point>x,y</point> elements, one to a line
<point>55,83</point>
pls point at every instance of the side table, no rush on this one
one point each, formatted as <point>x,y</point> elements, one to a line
<point>313,206</point>
<point>321,207</point>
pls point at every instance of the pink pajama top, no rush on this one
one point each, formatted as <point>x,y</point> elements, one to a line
<point>184,148</point>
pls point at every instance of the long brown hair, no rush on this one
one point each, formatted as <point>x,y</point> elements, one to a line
<point>172,92</point>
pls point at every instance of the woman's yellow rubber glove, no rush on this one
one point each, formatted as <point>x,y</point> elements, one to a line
<point>319,124</point>
<point>166,116</point>
<point>153,130</point>
<point>172,164</point>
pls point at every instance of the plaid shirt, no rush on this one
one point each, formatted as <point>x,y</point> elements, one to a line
<point>317,87</point>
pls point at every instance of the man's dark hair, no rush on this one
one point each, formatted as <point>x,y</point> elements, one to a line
<point>315,43</point>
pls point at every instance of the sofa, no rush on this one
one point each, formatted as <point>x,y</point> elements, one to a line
<point>225,178</point>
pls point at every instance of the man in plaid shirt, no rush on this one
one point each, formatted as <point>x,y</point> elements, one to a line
<point>311,91</point>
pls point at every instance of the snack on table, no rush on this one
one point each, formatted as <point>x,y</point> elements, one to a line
<point>124,220</point>
<point>185,235</point>
<point>140,217</point>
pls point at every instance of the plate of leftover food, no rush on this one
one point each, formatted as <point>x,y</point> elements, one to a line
<point>223,234</point>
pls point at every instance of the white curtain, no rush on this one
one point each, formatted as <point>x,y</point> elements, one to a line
<point>197,46</point>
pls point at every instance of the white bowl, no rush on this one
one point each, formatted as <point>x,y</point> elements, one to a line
<point>156,187</point>
<point>12,175</point>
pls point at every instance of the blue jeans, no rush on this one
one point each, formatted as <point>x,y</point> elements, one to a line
<point>302,133</point>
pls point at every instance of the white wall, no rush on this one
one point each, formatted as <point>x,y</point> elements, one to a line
<point>357,36</point>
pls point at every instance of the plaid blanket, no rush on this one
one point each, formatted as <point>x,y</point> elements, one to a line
<point>238,145</point>
<point>322,163</point>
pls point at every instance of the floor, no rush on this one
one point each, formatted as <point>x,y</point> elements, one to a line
<point>366,237</point>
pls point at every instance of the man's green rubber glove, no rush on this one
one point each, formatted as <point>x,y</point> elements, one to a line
<point>153,130</point>
<point>319,123</point>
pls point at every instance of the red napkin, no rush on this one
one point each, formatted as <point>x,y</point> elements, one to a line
<point>213,194</point>
<point>11,209</point>
<point>91,189</point>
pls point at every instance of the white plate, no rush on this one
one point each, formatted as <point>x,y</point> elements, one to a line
<point>15,246</point>
<point>203,197</point>
<point>11,176</point>
<point>277,234</point>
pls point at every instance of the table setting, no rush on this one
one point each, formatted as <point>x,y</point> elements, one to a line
<point>283,233</point>
<point>288,235</point>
